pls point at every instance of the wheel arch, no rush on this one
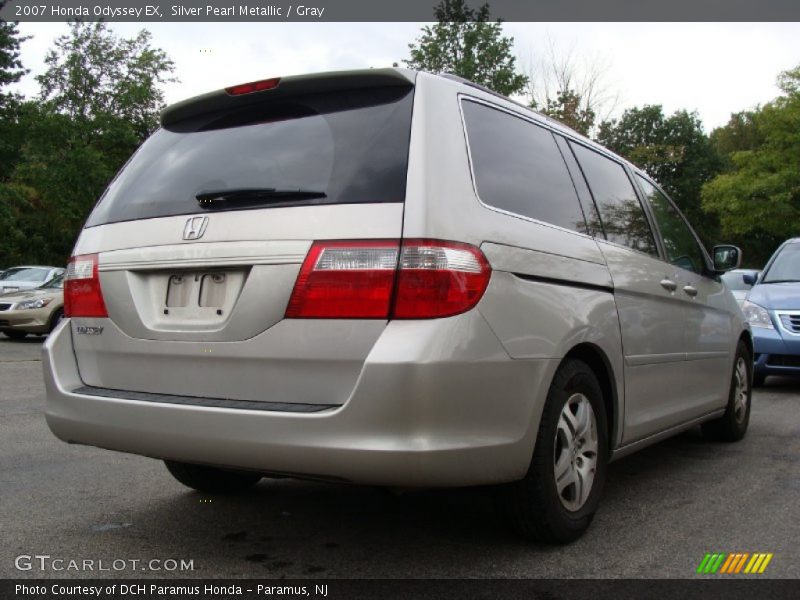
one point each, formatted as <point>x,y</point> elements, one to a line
<point>598,362</point>
<point>747,337</point>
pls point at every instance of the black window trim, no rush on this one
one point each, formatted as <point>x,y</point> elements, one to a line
<point>645,209</point>
<point>554,132</point>
<point>708,271</point>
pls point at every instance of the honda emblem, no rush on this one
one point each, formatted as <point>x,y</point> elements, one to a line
<point>195,228</point>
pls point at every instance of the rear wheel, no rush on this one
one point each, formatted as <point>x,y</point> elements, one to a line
<point>732,426</point>
<point>15,334</point>
<point>212,479</point>
<point>556,501</point>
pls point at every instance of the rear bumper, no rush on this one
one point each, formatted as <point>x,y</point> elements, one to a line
<point>776,354</point>
<point>419,415</point>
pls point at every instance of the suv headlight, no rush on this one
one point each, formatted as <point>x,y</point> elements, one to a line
<point>757,315</point>
<point>35,303</point>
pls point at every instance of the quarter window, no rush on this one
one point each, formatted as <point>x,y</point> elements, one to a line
<point>519,168</point>
<point>679,242</point>
<point>621,214</point>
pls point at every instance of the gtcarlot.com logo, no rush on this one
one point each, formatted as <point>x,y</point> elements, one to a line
<point>734,563</point>
<point>45,562</point>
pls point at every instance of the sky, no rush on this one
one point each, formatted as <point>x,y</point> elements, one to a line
<point>712,68</point>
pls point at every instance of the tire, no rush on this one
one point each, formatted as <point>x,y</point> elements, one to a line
<point>732,426</point>
<point>15,334</point>
<point>55,319</point>
<point>536,508</point>
<point>211,479</point>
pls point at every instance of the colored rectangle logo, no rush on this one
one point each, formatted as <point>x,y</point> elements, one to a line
<point>734,563</point>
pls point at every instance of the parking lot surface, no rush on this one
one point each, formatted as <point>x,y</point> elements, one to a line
<point>663,509</point>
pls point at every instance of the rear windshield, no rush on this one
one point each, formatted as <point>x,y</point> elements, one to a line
<point>348,147</point>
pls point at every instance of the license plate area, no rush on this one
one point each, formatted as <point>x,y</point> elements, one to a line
<point>199,298</point>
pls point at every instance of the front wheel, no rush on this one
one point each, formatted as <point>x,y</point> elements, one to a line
<point>557,499</point>
<point>212,479</point>
<point>732,426</point>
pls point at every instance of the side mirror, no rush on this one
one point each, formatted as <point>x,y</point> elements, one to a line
<point>726,258</point>
<point>750,278</point>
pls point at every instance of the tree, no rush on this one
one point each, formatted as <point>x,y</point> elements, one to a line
<point>465,43</point>
<point>11,71</point>
<point>758,199</point>
<point>568,108</point>
<point>740,133</point>
<point>99,99</point>
<point>92,73</point>
<point>569,88</point>
<point>674,151</point>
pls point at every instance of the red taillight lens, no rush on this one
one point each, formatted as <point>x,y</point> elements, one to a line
<point>82,294</point>
<point>345,280</point>
<point>363,280</point>
<point>439,279</point>
<point>253,86</point>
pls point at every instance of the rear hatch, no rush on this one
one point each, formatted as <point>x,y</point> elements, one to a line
<point>200,238</point>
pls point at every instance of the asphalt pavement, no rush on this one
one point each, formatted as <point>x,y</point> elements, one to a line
<point>663,509</point>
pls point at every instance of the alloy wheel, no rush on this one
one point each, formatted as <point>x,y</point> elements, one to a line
<point>575,452</point>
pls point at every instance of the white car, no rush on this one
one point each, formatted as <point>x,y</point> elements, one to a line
<point>15,279</point>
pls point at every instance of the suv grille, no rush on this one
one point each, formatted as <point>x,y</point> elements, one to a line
<point>5,306</point>
<point>790,322</point>
<point>784,360</point>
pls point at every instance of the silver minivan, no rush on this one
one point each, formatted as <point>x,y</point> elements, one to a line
<point>392,278</point>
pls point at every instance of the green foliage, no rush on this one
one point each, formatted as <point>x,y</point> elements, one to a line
<point>569,109</point>
<point>758,199</point>
<point>92,73</point>
<point>741,133</point>
<point>100,98</point>
<point>11,71</point>
<point>674,151</point>
<point>465,43</point>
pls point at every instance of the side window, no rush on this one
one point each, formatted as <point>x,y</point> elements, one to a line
<point>681,246</point>
<point>518,168</point>
<point>585,196</point>
<point>621,214</point>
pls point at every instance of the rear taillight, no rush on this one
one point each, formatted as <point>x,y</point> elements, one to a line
<point>345,280</point>
<point>382,279</point>
<point>82,294</point>
<point>439,279</point>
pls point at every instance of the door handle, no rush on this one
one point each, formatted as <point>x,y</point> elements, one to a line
<point>669,285</point>
<point>690,290</point>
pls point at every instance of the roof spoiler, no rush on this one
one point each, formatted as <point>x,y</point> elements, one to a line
<point>222,100</point>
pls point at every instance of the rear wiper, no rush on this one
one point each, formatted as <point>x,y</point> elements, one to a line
<point>234,198</point>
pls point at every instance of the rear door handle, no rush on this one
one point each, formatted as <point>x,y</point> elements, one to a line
<point>691,291</point>
<point>669,285</point>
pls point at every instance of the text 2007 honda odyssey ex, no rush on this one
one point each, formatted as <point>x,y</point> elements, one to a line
<point>392,278</point>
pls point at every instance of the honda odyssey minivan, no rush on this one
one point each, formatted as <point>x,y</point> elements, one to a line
<point>392,278</point>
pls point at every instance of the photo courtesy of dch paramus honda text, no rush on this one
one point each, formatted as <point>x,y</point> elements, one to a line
<point>392,278</point>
